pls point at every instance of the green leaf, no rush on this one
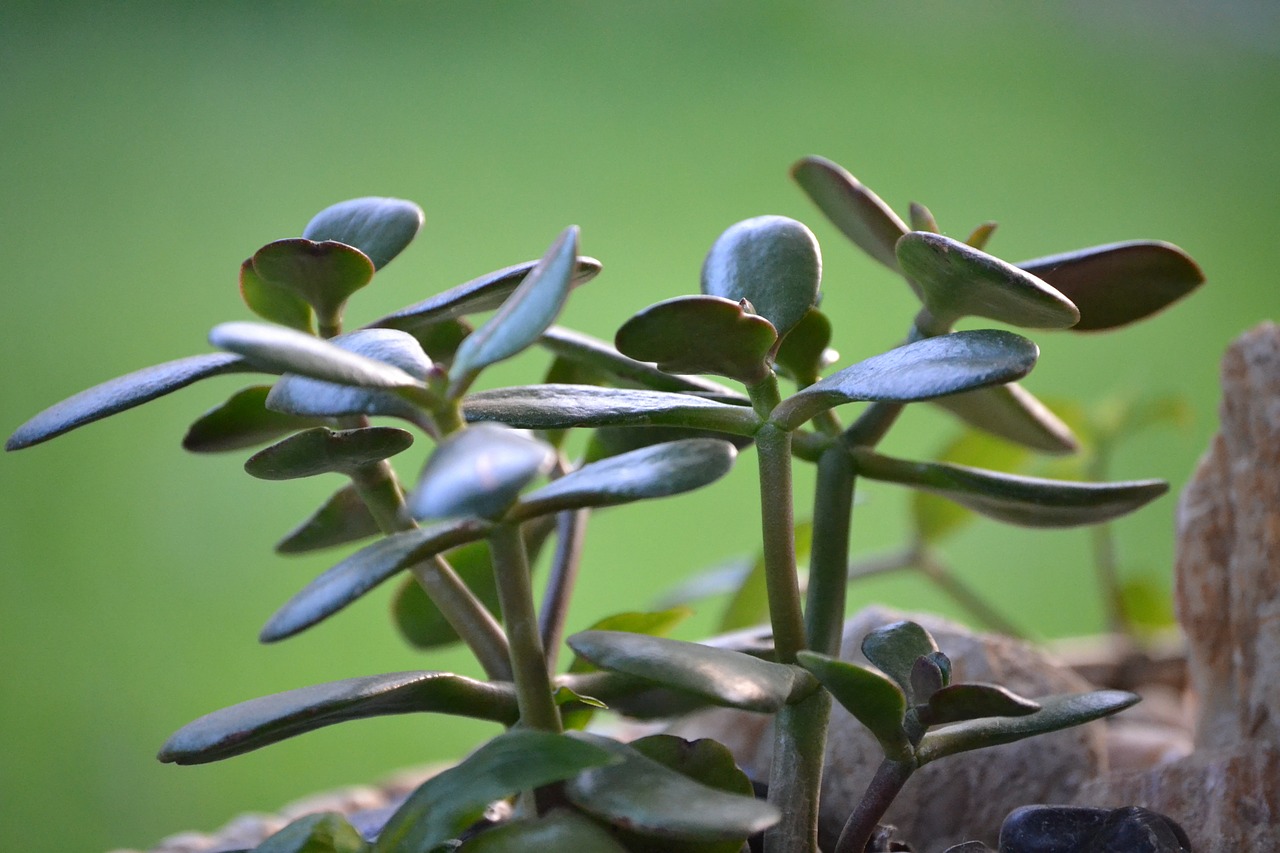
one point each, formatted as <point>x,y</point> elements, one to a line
<point>270,719</point>
<point>803,353</point>
<point>1119,283</point>
<point>481,294</point>
<point>855,210</point>
<point>1056,712</point>
<point>563,406</point>
<point>614,441</point>
<point>515,761</point>
<point>479,471</point>
<point>654,624</point>
<point>1012,413</point>
<point>325,832</point>
<point>927,677</point>
<point>274,303</point>
<point>920,370</point>
<point>323,451</point>
<point>957,280</point>
<point>701,334</point>
<point>242,421</point>
<point>343,518</point>
<point>1026,501</point>
<point>324,275</point>
<point>936,518</point>
<point>959,702</point>
<point>559,829</point>
<point>525,315</point>
<point>378,227</point>
<point>364,570</point>
<point>306,396</point>
<point>874,700</point>
<point>282,350</point>
<point>894,649</point>
<point>981,235</point>
<point>772,262</point>
<point>122,393</point>
<point>647,798</point>
<point>922,219</point>
<point>650,472</point>
<point>718,675</point>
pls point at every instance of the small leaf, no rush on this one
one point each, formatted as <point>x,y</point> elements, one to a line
<point>894,649</point>
<point>721,676</point>
<point>1012,413</point>
<point>803,353</point>
<point>957,281</point>
<point>324,832</point>
<point>559,829</point>
<point>378,227</point>
<point>855,210</point>
<point>242,421</point>
<point>1026,501</point>
<point>926,678</point>
<point>1056,712</point>
<point>324,275</point>
<point>364,570</point>
<point>123,393</point>
<point>323,451</point>
<point>922,219</point>
<point>278,349</point>
<point>343,518</point>
<point>920,370</point>
<point>772,262</point>
<point>479,472</point>
<point>274,303</point>
<point>701,334</point>
<point>563,406</point>
<point>525,315</point>
<point>650,472</point>
<point>874,700</point>
<point>981,235</point>
<point>936,518</point>
<point>449,802</point>
<point>270,719</point>
<point>1120,283</point>
<point>960,702</point>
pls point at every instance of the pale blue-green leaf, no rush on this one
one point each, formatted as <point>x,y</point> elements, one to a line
<point>658,623</point>
<point>1013,413</point>
<point>855,210</point>
<point>242,421</point>
<point>322,451</point>
<point>343,518</point>
<point>479,471</point>
<point>772,262</point>
<point>379,227</point>
<point>284,350</point>
<point>936,518</point>
<point>701,334</point>
<point>874,700</point>
<point>894,648</point>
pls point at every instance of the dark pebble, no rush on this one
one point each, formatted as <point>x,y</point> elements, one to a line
<point>1138,830</point>
<point>1078,829</point>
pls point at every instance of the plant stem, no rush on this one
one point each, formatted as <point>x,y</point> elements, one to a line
<point>795,781</point>
<point>884,787</point>
<point>773,452</point>
<point>528,662</point>
<point>829,555</point>
<point>571,527</point>
<point>1104,554</point>
<point>872,424</point>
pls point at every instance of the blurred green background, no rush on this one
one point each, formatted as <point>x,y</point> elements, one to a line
<point>148,148</point>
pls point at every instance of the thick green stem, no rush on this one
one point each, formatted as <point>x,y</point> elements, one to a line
<point>528,662</point>
<point>829,556</point>
<point>1104,554</point>
<point>884,787</point>
<point>800,736</point>
<point>773,452</point>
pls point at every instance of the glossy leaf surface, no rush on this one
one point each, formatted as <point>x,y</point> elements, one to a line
<point>803,353</point>
<point>934,517</point>
<point>560,829</point>
<point>479,471</point>
<point>957,280</point>
<point>920,370</point>
<point>274,303</point>
<point>1119,283</point>
<point>378,227</point>
<point>364,570</point>
<point>1011,412</point>
<point>700,334</point>
<point>449,802</point>
<point>656,624</point>
<point>242,421</point>
<point>283,350</point>
<point>855,210</point>
<point>325,832</point>
<point>1056,712</point>
<point>772,262</point>
<point>343,518</point>
<point>874,700</point>
<point>970,701</point>
<point>123,393</point>
<point>894,648</point>
<point>1026,501</point>
<point>927,678</point>
<point>650,472</point>
<point>323,451</point>
<point>322,274</point>
<point>271,719</point>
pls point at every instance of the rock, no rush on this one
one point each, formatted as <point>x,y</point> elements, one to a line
<point>1138,830</point>
<point>1077,829</point>
<point>960,798</point>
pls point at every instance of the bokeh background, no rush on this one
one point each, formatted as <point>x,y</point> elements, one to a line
<point>148,148</point>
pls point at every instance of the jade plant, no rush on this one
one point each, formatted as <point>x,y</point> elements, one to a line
<point>503,481</point>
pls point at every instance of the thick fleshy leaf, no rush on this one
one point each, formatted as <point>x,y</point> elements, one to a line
<point>283,350</point>
<point>324,451</point>
<point>560,829</point>
<point>971,701</point>
<point>772,262</point>
<point>449,802</point>
<point>957,280</point>
<point>481,294</point>
<point>314,397</point>
<point>648,798</point>
<point>378,227</point>
<point>614,441</point>
<point>936,518</point>
<point>122,393</point>
<point>563,406</point>
<point>894,648</point>
<point>655,624</point>
<point>324,832</point>
<point>1026,501</point>
<point>1056,712</point>
<point>1013,413</point>
<point>721,676</point>
<point>524,315</point>
<point>323,274</point>
<point>479,472</point>
<point>926,678</point>
<point>364,570</point>
<point>874,700</point>
<point>921,370</point>
<point>270,719</point>
<point>980,236</point>
<point>1119,283</point>
<point>803,353</point>
<point>855,210</point>
<point>343,518</point>
<point>922,219</point>
<point>274,303</point>
<point>650,472</point>
<point>701,334</point>
<point>242,421</point>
